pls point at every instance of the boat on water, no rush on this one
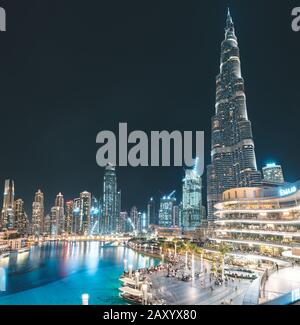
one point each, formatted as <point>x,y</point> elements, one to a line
<point>23,250</point>
<point>131,295</point>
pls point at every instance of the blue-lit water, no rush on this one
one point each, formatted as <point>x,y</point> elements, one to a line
<point>59,273</point>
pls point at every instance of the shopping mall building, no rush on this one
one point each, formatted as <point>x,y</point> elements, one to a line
<point>263,220</point>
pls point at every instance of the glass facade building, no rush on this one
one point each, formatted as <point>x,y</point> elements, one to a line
<point>233,161</point>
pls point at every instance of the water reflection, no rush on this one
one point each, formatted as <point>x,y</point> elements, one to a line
<point>78,267</point>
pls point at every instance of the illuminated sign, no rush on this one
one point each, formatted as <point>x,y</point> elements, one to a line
<point>287,191</point>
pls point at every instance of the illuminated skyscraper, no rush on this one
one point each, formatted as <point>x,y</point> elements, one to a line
<point>58,216</point>
<point>95,216</point>
<point>76,216</point>
<point>166,210</point>
<point>134,218</point>
<point>21,220</point>
<point>109,213</point>
<point>233,162</point>
<point>7,215</point>
<point>85,212</point>
<point>152,216</point>
<point>68,216</point>
<point>273,174</point>
<point>37,220</point>
<point>191,199</point>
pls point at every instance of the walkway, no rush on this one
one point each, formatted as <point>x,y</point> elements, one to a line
<point>281,282</point>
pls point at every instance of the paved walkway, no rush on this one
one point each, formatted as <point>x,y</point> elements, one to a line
<point>281,282</point>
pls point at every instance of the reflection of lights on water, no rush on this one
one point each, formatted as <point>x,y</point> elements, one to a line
<point>2,279</point>
<point>85,298</point>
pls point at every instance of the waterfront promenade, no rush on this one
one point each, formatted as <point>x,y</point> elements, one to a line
<point>281,282</point>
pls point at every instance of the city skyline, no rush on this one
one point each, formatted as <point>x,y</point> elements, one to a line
<point>57,168</point>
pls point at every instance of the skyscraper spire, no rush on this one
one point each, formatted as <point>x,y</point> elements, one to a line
<point>229,22</point>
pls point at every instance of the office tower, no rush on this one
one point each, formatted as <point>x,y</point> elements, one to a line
<point>58,216</point>
<point>233,162</point>
<point>272,173</point>
<point>54,217</point>
<point>110,215</point>
<point>37,220</point>
<point>152,216</point>
<point>7,215</point>
<point>68,217</point>
<point>47,225</point>
<point>125,225</point>
<point>118,207</point>
<point>95,216</point>
<point>134,218</point>
<point>191,199</point>
<point>85,212</point>
<point>145,222</point>
<point>166,210</point>
<point>175,214</point>
<point>21,220</point>
<point>76,216</point>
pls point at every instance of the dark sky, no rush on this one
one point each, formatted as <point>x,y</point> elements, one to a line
<point>70,69</point>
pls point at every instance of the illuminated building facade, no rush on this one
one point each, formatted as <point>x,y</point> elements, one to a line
<point>37,220</point>
<point>110,198</point>
<point>151,212</point>
<point>191,200</point>
<point>7,215</point>
<point>134,218</point>
<point>76,216</point>
<point>233,162</point>
<point>85,213</point>
<point>272,173</point>
<point>95,216</point>
<point>166,210</point>
<point>262,220</point>
<point>21,220</point>
<point>58,216</point>
<point>68,216</point>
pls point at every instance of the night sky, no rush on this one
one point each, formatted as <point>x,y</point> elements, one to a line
<point>70,69</point>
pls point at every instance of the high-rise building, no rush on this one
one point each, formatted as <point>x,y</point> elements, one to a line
<point>134,218</point>
<point>175,216</point>
<point>21,220</point>
<point>68,217</point>
<point>95,216</point>
<point>151,213</point>
<point>76,216</point>
<point>109,213</point>
<point>125,225</point>
<point>47,225</point>
<point>166,213</point>
<point>37,220</point>
<point>7,215</point>
<point>191,199</point>
<point>118,207</point>
<point>272,173</point>
<point>233,162</point>
<point>58,216</point>
<point>85,212</point>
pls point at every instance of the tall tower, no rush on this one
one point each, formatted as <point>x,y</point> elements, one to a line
<point>58,216</point>
<point>152,216</point>
<point>85,212</point>
<point>233,162</point>
<point>38,214</point>
<point>166,213</point>
<point>273,174</point>
<point>21,220</point>
<point>7,215</point>
<point>191,199</point>
<point>110,200</point>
